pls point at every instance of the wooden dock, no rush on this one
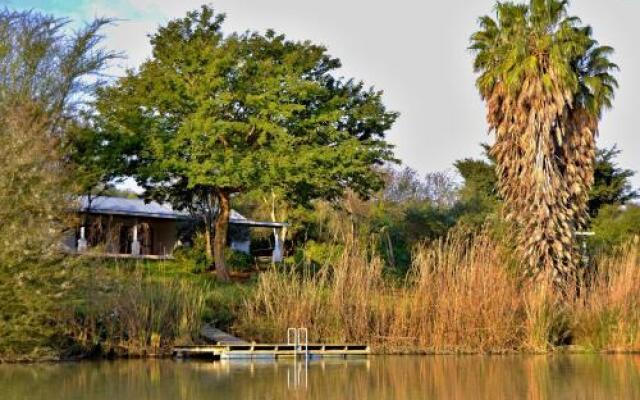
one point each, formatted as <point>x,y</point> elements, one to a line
<point>213,335</point>
<point>270,351</point>
<point>221,345</point>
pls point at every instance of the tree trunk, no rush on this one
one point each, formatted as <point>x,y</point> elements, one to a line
<point>207,241</point>
<point>220,235</point>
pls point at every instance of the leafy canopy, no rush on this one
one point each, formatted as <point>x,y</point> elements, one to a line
<point>540,39</point>
<point>215,112</point>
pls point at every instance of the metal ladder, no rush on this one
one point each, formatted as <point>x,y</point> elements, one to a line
<point>294,336</point>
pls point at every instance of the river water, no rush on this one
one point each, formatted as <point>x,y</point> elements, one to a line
<point>377,377</point>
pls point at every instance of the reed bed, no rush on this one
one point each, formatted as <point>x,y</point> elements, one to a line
<point>463,294</point>
<point>607,317</point>
<point>133,315</point>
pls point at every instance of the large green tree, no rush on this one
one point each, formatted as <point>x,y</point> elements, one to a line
<point>545,81</point>
<point>212,115</point>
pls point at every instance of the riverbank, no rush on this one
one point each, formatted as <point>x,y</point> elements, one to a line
<point>463,295</point>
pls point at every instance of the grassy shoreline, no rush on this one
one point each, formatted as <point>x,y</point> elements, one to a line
<point>463,295</point>
<point>561,350</point>
<point>458,298</point>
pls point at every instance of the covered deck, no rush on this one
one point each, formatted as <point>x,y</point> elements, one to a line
<point>119,227</point>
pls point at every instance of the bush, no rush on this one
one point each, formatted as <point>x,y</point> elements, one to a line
<point>239,261</point>
<point>614,226</point>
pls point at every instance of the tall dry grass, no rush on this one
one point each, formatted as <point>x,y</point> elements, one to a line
<point>130,314</point>
<point>459,296</point>
<point>607,317</point>
<point>463,293</point>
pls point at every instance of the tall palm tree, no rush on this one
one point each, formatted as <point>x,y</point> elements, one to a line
<point>545,82</point>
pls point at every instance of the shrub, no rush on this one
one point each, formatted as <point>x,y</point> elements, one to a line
<point>239,261</point>
<point>613,226</point>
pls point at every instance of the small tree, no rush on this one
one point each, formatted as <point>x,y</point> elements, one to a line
<point>45,74</point>
<point>212,115</point>
<point>611,184</point>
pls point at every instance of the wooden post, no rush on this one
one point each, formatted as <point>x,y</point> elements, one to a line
<point>135,243</point>
<point>82,242</point>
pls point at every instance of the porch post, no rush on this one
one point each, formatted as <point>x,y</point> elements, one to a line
<point>135,244</point>
<point>276,256</point>
<point>82,241</point>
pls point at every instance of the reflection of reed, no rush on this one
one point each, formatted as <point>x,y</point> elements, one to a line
<point>397,377</point>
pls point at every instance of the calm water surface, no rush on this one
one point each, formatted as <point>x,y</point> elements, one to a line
<point>390,377</point>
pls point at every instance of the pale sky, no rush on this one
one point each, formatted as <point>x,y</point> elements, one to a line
<point>416,51</point>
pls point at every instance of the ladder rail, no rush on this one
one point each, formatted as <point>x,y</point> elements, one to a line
<point>291,336</point>
<point>306,340</point>
<point>293,339</point>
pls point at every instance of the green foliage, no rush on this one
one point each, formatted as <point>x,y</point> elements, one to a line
<point>193,258</point>
<point>247,110</point>
<point>210,115</point>
<point>478,195</point>
<point>128,310</point>
<point>224,303</point>
<point>523,39</point>
<point>45,76</point>
<point>479,178</point>
<point>615,225</point>
<point>30,299</point>
<point>96,159</point>
<point>611,183</point>
<point>239,261</point>
<point>317,254</point>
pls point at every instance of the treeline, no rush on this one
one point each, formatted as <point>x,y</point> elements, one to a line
<point>413,209</point>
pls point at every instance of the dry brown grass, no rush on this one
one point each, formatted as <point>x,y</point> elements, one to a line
<point>459,296</point>
<point>608,316</point>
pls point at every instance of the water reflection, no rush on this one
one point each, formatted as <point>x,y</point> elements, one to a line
<point>398,377</point>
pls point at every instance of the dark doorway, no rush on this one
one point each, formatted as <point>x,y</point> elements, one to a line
<point>124,239</point>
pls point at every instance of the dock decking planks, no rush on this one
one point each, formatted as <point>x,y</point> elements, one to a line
<point>259,351</point>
